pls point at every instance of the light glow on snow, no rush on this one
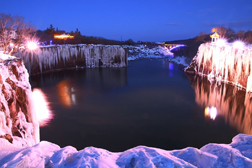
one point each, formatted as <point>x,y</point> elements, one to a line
<point>43,112</point>
<point>221,42</point>
<point>238,44</point>
<point>211,112</point>
<point>31,45</point>
<point>11,45</point>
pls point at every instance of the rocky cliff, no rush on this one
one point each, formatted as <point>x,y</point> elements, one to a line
<point>17,122</point>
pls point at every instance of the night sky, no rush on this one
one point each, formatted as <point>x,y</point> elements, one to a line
<point>144,20</point>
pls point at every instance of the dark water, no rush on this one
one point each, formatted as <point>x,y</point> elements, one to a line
<point>150,103</point>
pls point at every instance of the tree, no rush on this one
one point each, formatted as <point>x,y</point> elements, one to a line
<point>203,37</point>
<point>225,32</point>
<point>14,30</point>
<point>50,30</point>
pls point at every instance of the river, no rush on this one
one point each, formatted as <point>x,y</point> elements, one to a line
<point>150,103</point>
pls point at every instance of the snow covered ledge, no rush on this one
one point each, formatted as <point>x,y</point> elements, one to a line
<point>18,123</point>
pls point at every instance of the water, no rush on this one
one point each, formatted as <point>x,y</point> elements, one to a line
<point>150,103</point>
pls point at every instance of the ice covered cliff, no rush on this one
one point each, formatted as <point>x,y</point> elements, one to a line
<point>56,57</point>
<point>224,63</point>
<point>18,123</point>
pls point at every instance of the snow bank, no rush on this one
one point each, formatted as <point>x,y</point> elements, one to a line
<point>46,154</point>
<point>141,52</point>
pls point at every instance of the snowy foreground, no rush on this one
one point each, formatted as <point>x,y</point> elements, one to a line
<point>46,154</point>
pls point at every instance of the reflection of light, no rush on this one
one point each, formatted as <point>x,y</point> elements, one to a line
<point>170,66</point>
<point>238,44</point>
<point>211,112</point>
<point>43,113</point>
<point>32,45</point>
<point>66,94</point>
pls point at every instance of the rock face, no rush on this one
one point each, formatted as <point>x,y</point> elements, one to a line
<point>16,117</point>
<point>224,63</point>
<point>70,56</point>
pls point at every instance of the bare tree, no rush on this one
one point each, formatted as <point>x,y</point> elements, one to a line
<point>225,32</point>
<point>202,37</point>
<point>14,30</point>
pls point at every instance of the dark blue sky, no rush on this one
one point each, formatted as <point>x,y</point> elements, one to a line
<point>145,20</point>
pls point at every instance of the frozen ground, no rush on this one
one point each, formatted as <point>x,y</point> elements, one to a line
<point>236,154</point>
<point>143,52</point>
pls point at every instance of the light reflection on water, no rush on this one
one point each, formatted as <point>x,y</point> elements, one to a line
<point>231,103</point>
<point>66,93</point>
<point>41,107</point>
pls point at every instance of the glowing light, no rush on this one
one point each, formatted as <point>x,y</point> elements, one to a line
<point>41,108</point>
<point>211,112</point>
<point>177,46</point>
<point>214,30</point>
<point>63,36</point>
<point>238,44</point>
<point>221,42</point>
<point>11,44</point>
<point>32,45</point>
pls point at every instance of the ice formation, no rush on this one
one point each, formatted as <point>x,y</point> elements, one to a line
<point>17,121</point>
<point>68,56</point>
<point>224,62</point>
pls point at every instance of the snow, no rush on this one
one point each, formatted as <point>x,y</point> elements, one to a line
<point>236,154</point>
<point>5,56</point>
<point>224,62</point>
<point>141,52</point>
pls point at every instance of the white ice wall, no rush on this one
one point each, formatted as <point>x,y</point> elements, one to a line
<point>225,63</point>
<point>90,56</point>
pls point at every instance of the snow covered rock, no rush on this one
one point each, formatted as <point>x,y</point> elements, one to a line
<point>45,154</point>
<point>70,56</point>
<point>224,63</point>
<point>16,117</point>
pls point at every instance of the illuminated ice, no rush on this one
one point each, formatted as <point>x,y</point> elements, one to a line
<point>225,63</point>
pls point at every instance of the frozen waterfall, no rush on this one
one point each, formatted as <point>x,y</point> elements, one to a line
<point>51,58</point>
<point>224,63</point>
